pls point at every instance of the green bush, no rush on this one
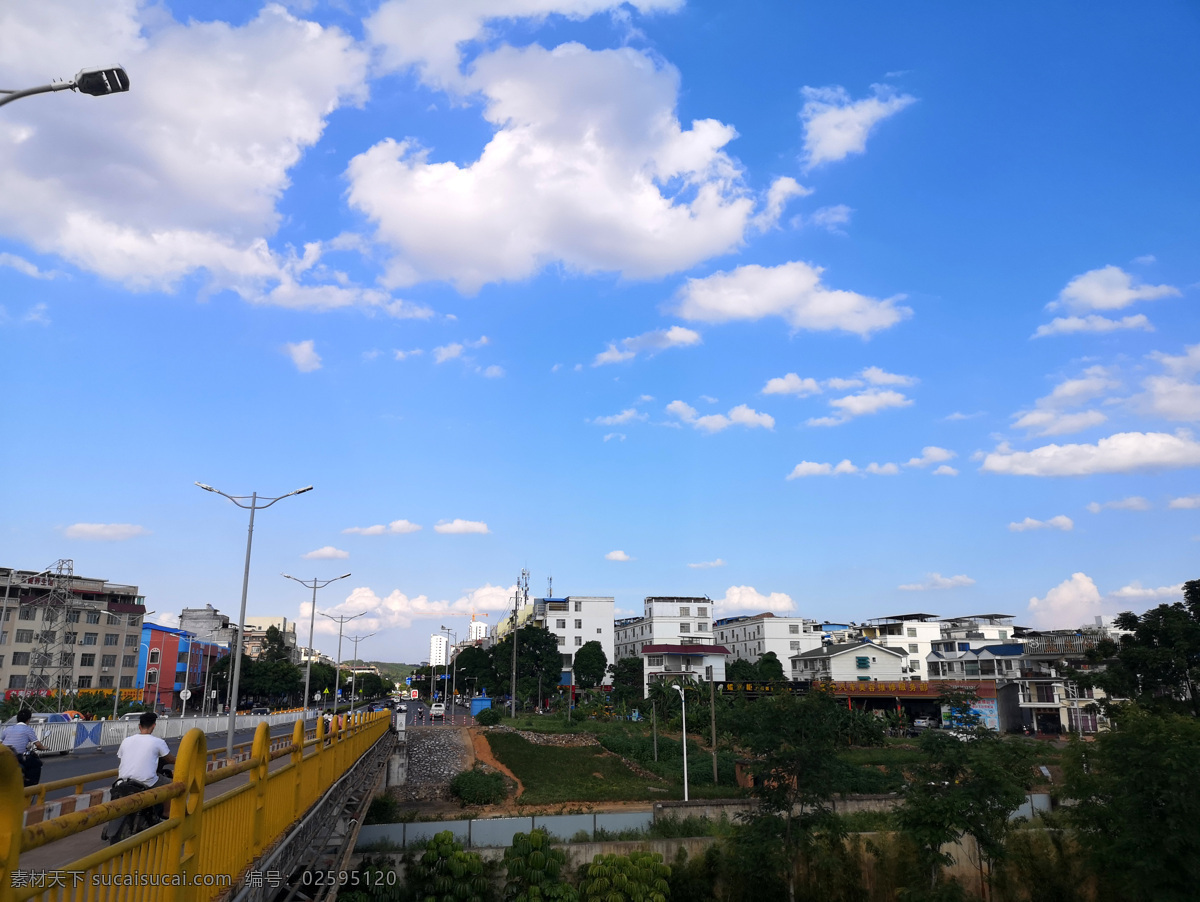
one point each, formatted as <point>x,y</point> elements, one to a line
<point>488,717</point>
<point>477,787</point>
<point>383,810</point>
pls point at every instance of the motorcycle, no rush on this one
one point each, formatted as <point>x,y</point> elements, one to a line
<point>142,819</point>
<point>31,766</point>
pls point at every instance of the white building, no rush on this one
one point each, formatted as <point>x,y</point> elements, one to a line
<point>575,621</point>
<point>437,650</point>
<point>665,620</point>
<point>914,634</point>
<point>682,662</point>
<point>850,662</point>
<point>477,632</point>
<point>994,629</point>
<point>750,637</point>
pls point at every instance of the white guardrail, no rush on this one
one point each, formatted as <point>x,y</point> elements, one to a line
<point>93,734</point>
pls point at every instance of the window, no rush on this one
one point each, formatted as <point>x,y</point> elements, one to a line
<point>111,638</point>
<point>566,660</point>
<point>151,677</point>
<point>578,624</point>
<point>794,645</point>
<point>106,682</point>
<point>87,660</point>
<point>20,659</point>
<point>560,624</point>
<point>912,647</point>
<point>128,660</point>
<point>70,638</point>
<point>93,616</point>
<point>562,640</point>
<point>987,668</point>
<point>126,682</point>
<point>701,612</point>
<point>49,615</point>
<point>912,633</point>
<point>113,620</point>
<point>72,616</point>
<point>1003,635</point>
<point>578,607</point>
<point>154,656</point>
<point>1008,665</point>
<point>66,659</point>
<point>90,638</point>
<point>135,619</point>
<point>17,680</point>
<point>794,629</point>
<point>685,612</point>
<point>599,630</point>
<point>963,646</point>
<point>862,662</point>
<point>108,660</point>
<point>654,660</point>
<point>24,636</point>
<point>48,636</point>
<point>85,682</point>
<point>27,614</point>
<point>3,637</point>
<point>578,640</point>
<point>131,641</point>
<point>685,627</point>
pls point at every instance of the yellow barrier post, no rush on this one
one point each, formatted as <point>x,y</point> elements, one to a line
<point>297,769</point>
<point>261,753</point>
<point>188,809</point>
<point>12,807</point>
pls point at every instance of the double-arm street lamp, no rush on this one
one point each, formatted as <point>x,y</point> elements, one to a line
<point>683,706</point>
<point>313,584</point>
<point>255,503</point>
<point>341,620</point>
<point>97,82</point>
<point>353,667</point>
<point>450,662</point>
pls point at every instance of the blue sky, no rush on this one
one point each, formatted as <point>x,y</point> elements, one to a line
<point>828,310</point>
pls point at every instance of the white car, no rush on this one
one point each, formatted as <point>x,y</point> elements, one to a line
<point>437,711</point>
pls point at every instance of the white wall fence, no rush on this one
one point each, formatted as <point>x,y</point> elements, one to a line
<point>92,734</point>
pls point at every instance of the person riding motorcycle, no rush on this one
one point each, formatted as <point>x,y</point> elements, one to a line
<point>21,738</point>
<point>140,755</point>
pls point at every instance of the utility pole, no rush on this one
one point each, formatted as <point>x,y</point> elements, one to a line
<point>341,621</point>
<point>513,676</point>
<point>712,707</point>
<point>353,672</point>
<point>313,584</point>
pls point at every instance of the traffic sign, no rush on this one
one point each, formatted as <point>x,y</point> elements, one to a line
<point>414,694</point>
<point>408,681</point>
<point>185,694</point>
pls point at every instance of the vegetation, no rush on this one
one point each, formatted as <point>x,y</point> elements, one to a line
<point>479,787</point>
<point>535,870</point>
<point>488,717</point>
<point>590,665</point>
<point>445,873</point>
<point>636,877</point>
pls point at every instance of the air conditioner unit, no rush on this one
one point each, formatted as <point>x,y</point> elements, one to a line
<point>104,670</point>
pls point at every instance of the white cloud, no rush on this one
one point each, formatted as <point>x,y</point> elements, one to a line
<point>493,372</point>
<point>809,468</point>
<point>747,598</point>
<point>1072,602</point>
<point>165,618</point>
<point>883,469</point>
<point>37,314</point>
<point>447,352</point>
<point>104,532</point>
<point>399,611</point>
<point>1062,522</point>
<point>647,343</point>
<point>945,470</point>
<point>791,384</point>
<point>831,219</point>
<point>1071,325</point>
<point>404,355</point>
<point>23,266</point>
<point>781,191</point>
<point>1145,259</point>
<point>1108,288</point>
<point>396,527</point>
<point>327,553</point>
<point>617,555</point>
<point>836,126</point>
<point>1188,502</point>
<point>1136,592</point>
<point>930,454</point>
<point>792,291</point>
<point>177,187</point>
<point>587,166</point>
<point>839,384</point>
<point>937,581</point>
<point>876,376</point>
<point>959,415</point>
<point>461,527</point>
<point>303,355</point>
<point>1185,364</point>
<point>1174,395</point>
<point>870,401</point>
<point>707,565</point>
<point>619,436</point>
<point>1120,453</point>
<point>628,415</point>
<point>1133,503</point>
<point>1050,416</point>
<point>742,415</point>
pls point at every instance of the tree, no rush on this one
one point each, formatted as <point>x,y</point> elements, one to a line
<point>627,681</point>
<point>742,671</point>
<point>475,664</point>
<point>535,870</point>
<point>1138,811</point>
<point>590,664</point>
<point>445,873</point>
<point>636,877</point>
<point>1158,663</point>
<point>538,658</point>
<point>274,648</point>
<point>769,667</point>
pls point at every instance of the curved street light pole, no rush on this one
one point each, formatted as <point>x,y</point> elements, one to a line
<point>341,621</point>
<point>353,672</point>
<point>313,584</point>
<point>450,663</point>
<point>96,82</point>
<point>256,503</point>
<point>683,706</point>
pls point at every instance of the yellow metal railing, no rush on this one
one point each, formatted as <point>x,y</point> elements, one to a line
<point>201,850</point>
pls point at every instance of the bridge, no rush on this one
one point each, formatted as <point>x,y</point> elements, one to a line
<point>244,830</point>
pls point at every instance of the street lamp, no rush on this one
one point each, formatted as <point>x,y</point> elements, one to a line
<point>450,663</point>
<point>354,673</point>
<point>120,663</point>
<point>253,506</point>
<point>312,619</point>
<point>683,705</point>
<point>341,621</point>
<point>97,82</point>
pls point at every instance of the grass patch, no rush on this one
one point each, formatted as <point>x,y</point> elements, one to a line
<point>477,787</point>
<point>868,821</point>
<point>569,774</point>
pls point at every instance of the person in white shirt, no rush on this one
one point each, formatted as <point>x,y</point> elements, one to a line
<point>140,753</point>
<point>21,737</point>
